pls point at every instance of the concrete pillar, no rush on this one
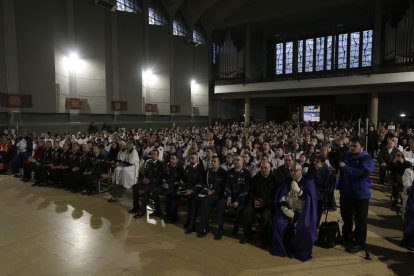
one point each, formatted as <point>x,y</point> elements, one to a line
<point>247,111</point>
<point>377,35</point>
<point>247,53</point>
<point>10,39</point>
<point>374,109</point>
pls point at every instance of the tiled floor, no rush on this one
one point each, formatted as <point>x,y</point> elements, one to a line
<point>47,231</point>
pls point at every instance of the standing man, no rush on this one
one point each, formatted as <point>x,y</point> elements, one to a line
<point>354,186</point>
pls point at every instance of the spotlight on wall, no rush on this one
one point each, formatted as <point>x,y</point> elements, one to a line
<point>194,86</point>
<point>402,115</point>
<point>148,77</point>
<point>72,62</point>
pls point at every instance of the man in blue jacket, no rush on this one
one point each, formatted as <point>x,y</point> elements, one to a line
<point>354,186</point>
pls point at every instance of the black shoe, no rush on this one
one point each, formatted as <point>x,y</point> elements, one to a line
<point>189,230</point>
<point>84,192</point>
<point>133,211</point>
<point>219,233</point>
<point>35,184</point>
<point>140,214</point>
<point>245,240</point>
<point>263,244</point>
<point>203,232</point>
<point>354,248</point>
<point>235,229</point>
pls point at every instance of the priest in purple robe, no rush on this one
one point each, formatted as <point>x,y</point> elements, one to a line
<point>294,222</point>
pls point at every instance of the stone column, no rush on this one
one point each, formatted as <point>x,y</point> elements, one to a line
<point>247,111</point>
<point>374,109</point>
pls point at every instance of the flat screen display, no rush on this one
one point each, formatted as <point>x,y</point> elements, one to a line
<point>311,113</point>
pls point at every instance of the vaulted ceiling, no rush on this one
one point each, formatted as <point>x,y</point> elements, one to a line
<point>268,14</point>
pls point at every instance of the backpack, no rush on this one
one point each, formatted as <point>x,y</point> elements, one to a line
<point>328,234</point>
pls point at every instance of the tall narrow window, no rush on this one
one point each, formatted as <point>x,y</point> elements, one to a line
<point>366,48</point>
<point>329,52</point>
<point>156,16</point>
<point>342,50</point>
<point>133,6</point>
<point>309,55</point>
<point>320,53</point>
<point>354,51</point>
<point>300,56</point>
<point>179,27</point>
<point>289,58</point>
<point>198,35</point>
<point>279,58</point>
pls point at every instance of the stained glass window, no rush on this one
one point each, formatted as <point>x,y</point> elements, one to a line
<point>329,52</point>
<point>354,50</point>
<point>320,54</point>
<point>300,56</point>
<point>366,48</point>
<point>342,51</point>
<point>309,55</point>
<point>289,58</point>
<point>279,58</point>
<point>216,52</point>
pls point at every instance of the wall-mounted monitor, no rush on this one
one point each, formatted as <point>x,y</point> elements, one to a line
<point>311,113</point>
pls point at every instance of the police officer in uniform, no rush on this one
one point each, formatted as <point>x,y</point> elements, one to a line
<point>94,166</point>
<point>73,167</point>
<point>86,163</point>
<point>213,193</point>
<point>59,171</point>
<point>193,181</point>
<point>172,177</point>
<point>236,191</point>
<point>152,179</point>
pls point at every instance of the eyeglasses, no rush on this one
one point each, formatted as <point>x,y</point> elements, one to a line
<point>295,170</point>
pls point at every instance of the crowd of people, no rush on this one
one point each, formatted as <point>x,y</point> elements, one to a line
<point>278,178</point>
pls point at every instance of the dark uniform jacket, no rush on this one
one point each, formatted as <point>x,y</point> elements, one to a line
<point>237,185</point>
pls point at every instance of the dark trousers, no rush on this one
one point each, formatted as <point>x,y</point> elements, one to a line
<point>382,173</point>
<point>193,205</point>
<point>222,205</point>
<point>87,182</point>
<point>170,200</point>
<point>145,198</point>
<point>250,214</point>
<point>206,204</point>
<point>354,211</point>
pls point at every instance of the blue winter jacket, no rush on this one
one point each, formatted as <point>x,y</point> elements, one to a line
<point>354,176</point>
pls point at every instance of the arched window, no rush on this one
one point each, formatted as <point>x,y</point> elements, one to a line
<point>156,14</point>
<point>198,35</point>
<point>133,6</point>
<point>179,27</point>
